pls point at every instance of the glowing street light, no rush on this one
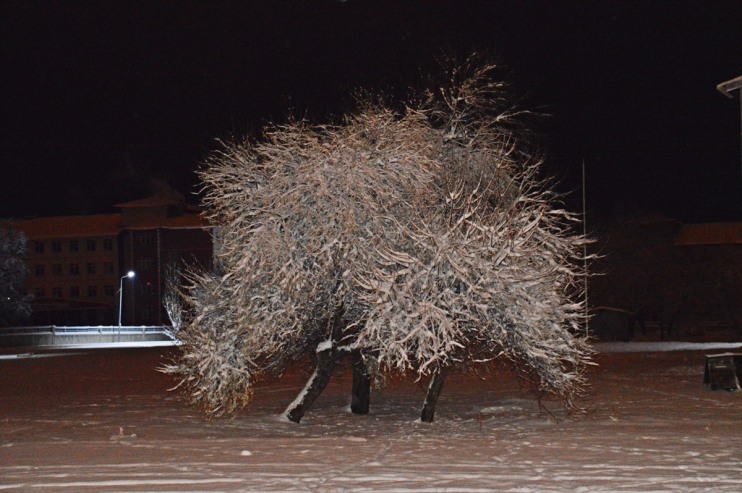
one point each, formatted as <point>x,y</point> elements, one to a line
<point>129,275</point>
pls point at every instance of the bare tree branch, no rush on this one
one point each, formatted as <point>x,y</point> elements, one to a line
<point>429,230</point>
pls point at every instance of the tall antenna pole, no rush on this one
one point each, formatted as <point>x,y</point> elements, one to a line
<point>584,249</point>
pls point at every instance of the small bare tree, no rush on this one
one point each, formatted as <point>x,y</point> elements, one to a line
<point>172,299</point>
<point>15,304</point>
<point>416,242</point>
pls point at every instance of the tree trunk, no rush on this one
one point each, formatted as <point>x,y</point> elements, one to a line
<point>361,392</point>
<point>327,356</point>
<point>326,359</point>
<point>434,391</point>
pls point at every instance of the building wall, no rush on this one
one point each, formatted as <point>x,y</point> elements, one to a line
<point>76,263</point>
<point>149,252</point>
<point>713,278</point>
<point>77,274</point>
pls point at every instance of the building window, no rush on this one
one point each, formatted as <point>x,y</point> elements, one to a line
<point>38,246</point>
<point>39,271</point>
<point>56,269</point>
<point>147,263</point>
<point>108,244</point>
<point>56,292</point>
<point>74,269</point>
<point>74,292</point>
<point>74,246</point>
<point>108,268</point>
<point>108,291</point>
<point>92,291</point>
<point>90,245</point>
<point>56,246</point>
<point>90,268</point>
<point>40,292</point>
<point>146,239</point>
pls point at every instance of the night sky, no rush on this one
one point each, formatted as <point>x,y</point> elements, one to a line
<point>102,102</point>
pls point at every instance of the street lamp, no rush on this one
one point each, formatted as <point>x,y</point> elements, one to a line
<point>129,275</point>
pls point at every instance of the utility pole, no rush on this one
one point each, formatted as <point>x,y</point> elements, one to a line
<point>726,88</point>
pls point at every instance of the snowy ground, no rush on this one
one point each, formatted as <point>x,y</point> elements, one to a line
<point>102,421</point>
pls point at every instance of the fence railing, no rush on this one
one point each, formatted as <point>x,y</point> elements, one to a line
<point>87,329</point>
<point>88,336</point>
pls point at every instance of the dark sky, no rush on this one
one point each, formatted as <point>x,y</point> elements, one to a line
<point>100,101</point>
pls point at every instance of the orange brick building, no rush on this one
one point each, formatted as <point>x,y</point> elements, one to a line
<point>76,262</point>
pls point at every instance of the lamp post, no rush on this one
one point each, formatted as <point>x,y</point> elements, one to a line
<point>129,275</point>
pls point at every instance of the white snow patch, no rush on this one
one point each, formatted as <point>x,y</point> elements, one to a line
<point>118,345</point>
<point>655,347</point>
<point>646,436</point>
<point>324,345</point>
<point>134,482</point>
<point>34,355</point>
<point>283,418</point>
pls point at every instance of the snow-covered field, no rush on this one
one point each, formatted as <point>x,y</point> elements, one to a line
<point>102,421</point>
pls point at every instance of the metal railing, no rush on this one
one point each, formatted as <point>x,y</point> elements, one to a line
<point>85,335</point>
<point>87,329</point>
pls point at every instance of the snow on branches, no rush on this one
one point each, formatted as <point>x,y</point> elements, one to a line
<point>15,305</point>
<point>422,239</point>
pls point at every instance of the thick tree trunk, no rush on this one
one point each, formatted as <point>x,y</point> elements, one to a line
<point>434,391</point>
<point>327,356</point>
<point>361,392</point>
<point>326,359</point>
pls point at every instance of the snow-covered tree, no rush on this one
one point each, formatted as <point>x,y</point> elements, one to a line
<point>172,299</point>
<point>415,241</point>
<point>15,305</point>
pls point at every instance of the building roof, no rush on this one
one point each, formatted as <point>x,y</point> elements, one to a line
<point>186,221</point>
<point>710,234</point>
<point>156,201</point>
<point>70,226</point>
